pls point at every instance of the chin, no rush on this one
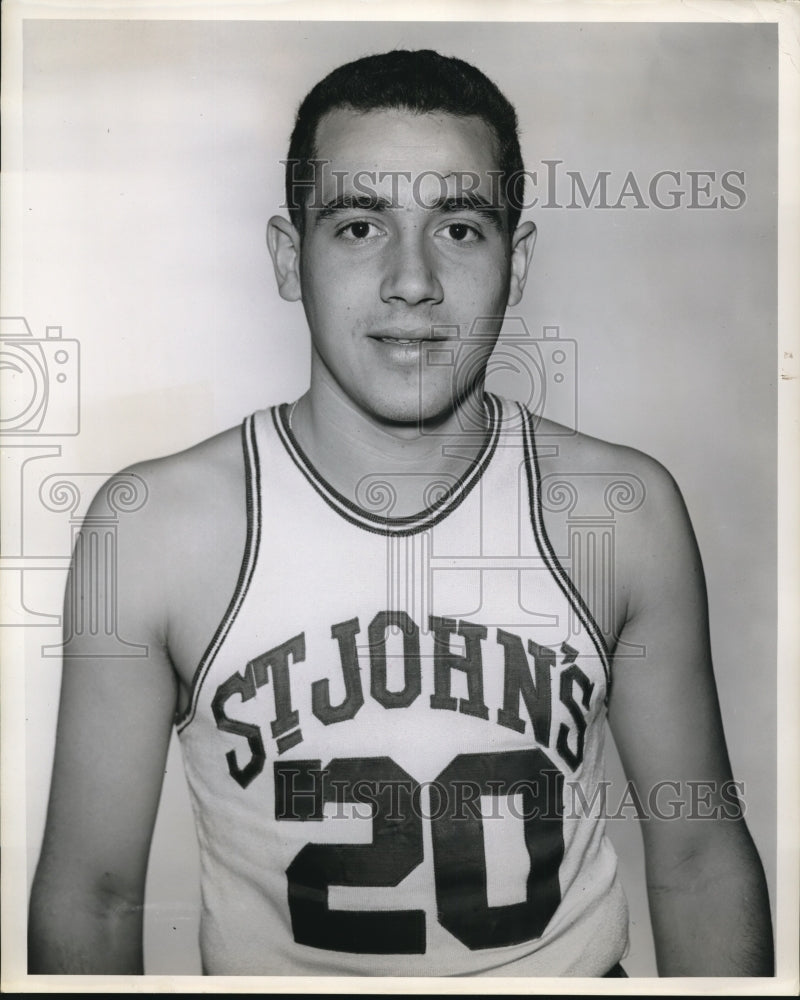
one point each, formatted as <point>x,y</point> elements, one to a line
<point>412,412</point>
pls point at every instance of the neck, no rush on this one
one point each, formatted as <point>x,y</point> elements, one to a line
<point>346,445</point>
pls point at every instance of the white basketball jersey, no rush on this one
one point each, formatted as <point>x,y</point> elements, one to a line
<point>396,734</point>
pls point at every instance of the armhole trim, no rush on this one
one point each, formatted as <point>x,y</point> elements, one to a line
<point>249,559</point>
<point>557,571</point>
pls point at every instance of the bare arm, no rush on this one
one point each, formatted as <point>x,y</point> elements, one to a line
<point>114,726</point>
<point>706,887</point>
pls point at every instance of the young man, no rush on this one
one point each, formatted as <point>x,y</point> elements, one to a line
<point>391,695</point>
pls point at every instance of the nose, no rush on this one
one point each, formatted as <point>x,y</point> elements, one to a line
<point>410,274</point>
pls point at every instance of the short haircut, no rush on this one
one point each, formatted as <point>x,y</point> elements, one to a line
<point>418,81</point>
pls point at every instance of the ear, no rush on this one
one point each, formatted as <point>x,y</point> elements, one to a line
<point>521,251</point>
<point>283,241</point>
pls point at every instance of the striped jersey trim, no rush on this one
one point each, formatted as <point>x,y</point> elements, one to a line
<point>547,552</point>
<point>249,560</point>
<point>397,526</point>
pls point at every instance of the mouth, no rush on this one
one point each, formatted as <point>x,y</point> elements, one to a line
<point>408,337</point>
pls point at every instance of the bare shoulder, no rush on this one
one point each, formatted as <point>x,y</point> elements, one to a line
<point>622,479</point>
<point>181,491</point>
<point>181,525</point>
<point>589,485</point>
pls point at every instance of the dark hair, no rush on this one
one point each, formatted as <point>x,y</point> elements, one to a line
<point>418,81</point>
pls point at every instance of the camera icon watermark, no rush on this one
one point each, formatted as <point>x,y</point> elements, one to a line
<point>39,400</point>
<point>40,381</point>
<point>541,372</point>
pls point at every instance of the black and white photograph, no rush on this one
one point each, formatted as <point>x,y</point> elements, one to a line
<point>399,433</point>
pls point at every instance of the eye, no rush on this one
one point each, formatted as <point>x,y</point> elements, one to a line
<point>460,232</point>
<point>358,231</point>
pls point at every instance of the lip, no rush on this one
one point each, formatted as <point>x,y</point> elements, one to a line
<point>404,338</point>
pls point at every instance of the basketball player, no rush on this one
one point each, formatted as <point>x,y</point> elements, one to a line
<point>389,690</point>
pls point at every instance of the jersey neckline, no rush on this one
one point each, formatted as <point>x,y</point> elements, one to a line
<point>443,504</point>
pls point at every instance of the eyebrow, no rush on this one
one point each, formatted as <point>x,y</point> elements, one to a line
<point>362,202</point>
<point>450,204</point>
<point>472,202</point>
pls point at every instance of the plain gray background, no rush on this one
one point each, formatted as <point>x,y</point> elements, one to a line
<point>151,158</point>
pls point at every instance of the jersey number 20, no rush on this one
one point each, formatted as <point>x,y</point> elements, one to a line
<point>458,856</point>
